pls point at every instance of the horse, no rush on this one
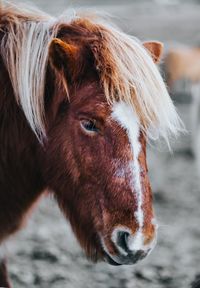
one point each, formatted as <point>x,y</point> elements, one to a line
<point>79,100</point>
<point>183,63</point>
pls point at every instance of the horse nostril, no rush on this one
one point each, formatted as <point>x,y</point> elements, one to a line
<point>132,256</point>
<point>122,240</point>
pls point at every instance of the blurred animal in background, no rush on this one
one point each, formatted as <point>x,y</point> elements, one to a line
<point>183,63</point>
<point>78,101</point>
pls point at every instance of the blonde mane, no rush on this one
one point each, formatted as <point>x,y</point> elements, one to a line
<point>126,69</point>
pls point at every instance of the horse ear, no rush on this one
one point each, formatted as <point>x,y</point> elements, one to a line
<point>62,55</point>
<point>155,48</point>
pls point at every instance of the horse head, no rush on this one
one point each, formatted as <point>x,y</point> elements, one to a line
<point>95,156</point>
<point>94,97</point>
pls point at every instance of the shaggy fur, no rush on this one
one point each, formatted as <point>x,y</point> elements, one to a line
<point>125,68</point>
<point>60,79</point>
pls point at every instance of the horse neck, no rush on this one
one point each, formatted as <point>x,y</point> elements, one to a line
<point>20,177</point>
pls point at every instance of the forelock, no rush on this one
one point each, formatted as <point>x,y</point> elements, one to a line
<point>126,70</point>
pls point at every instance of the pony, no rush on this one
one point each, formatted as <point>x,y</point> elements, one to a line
<point>183,63</point>
<point>79,100</point>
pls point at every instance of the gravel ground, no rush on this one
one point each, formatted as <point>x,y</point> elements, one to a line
<point>46,254</point>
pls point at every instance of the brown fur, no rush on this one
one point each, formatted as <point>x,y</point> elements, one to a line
<point>155,49</point>
<point>182,63</point>
<point>78,168</point>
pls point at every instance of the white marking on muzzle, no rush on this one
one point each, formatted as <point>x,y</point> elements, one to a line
<point>126,117</point>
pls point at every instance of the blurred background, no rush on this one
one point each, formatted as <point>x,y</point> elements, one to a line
<point>45,254</point>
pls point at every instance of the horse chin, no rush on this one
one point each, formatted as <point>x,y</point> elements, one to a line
<point>101,257</point>
<point>110,261</point>
<point>93,254</point>
<point>95,258</point>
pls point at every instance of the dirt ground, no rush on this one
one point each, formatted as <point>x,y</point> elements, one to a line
<point>46,254</point>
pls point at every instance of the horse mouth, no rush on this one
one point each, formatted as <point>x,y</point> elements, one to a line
<point>130,259</point>
<point>110,261</point>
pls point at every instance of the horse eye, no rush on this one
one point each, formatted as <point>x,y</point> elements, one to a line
<point>89,125</point>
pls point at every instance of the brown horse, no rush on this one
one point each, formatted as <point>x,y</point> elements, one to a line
<point>78,100</point>
<point>182,62</point>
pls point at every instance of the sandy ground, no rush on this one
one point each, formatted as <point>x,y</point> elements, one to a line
<point>46,254</point>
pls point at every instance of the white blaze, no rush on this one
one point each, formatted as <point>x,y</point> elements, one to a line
<point>127,118</point>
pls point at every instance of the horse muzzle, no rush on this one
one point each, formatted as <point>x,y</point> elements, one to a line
<point>130,248</point>
<point>131,258</point>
